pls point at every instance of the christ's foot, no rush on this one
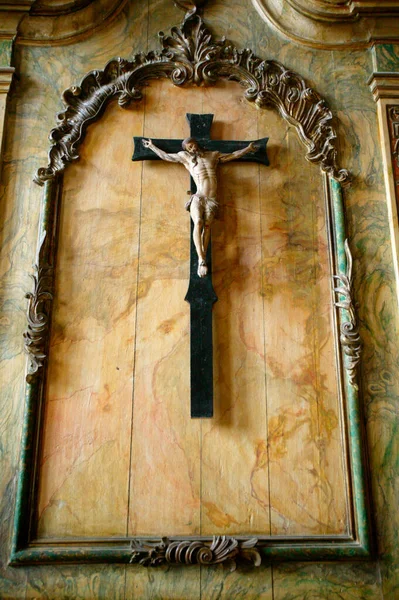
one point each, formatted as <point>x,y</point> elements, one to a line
<point>202,269</point>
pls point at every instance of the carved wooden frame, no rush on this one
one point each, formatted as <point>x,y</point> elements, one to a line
<point>191,56</point>
<point>392,111</point>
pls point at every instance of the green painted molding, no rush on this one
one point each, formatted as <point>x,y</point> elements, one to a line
<point>347,317</point>
<point>339,223</point>
<point>5,53</point>
<point>386,58</point>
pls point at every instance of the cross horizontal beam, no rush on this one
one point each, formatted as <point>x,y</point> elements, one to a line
<point>225,146</point>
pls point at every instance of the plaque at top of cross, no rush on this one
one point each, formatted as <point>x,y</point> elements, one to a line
<point>201,156</point>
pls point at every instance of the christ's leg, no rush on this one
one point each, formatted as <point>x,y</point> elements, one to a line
<point>206,235</point>
<point>196,212</point>
<point>209,215</point>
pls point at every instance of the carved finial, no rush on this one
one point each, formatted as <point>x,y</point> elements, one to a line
<point>191,6</point>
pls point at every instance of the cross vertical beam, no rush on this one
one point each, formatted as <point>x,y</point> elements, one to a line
<point>201,296</point>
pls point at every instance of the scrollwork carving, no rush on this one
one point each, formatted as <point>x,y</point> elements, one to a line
<point>36,335</point>
<point>222,549</point>
<point>393,126</point>
<point>190,55</point>
<point>350,338</point>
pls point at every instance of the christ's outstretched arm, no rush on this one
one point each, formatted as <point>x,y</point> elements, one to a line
<point>164,155</point>
<point>238,153</point>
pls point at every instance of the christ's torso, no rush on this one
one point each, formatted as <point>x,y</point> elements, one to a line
<point>204,172</point>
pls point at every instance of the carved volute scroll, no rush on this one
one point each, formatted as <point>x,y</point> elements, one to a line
<point>38,314</point>
<point>222,550</point>
<point>350,338</point>
<point>190,55</point>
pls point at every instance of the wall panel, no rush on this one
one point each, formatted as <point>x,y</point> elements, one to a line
<point>340,77</point>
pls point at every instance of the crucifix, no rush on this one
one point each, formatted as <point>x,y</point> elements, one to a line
<point>201,155</point>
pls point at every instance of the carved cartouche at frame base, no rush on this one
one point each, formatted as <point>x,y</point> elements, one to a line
<point>222,550</point>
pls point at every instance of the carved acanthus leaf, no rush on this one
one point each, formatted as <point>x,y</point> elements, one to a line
<point>350,338</point>
<point>190,55</point>
<point>36,335</point>
<point>222,549</point>
<point>393,125</point>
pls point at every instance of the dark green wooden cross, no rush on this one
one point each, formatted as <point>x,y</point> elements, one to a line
<point>201,295</point>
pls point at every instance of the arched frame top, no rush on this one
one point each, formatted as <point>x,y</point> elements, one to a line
<point>191,56</point>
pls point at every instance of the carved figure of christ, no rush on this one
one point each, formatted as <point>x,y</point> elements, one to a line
<point>201,156</point>
<point>203,205</point>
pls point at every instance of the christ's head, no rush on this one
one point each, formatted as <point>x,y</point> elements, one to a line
<point>192,146</point>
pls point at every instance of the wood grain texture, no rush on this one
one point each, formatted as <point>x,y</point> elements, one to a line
<point>304,426</point>
<point>229,441</point>
<point>165,486</point>
<point>340,77</point>
<point>88,411</point>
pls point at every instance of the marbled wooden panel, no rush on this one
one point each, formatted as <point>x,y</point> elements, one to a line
<point>165,471</point>
<point>325,581</point>
<point>244,584</point>
<point>306,496</point>
<point>305,448</point>
<point>277,429</point>
<point>386,57</point>
<point>86,444</point>
<point>64,582</point>
<point>229,441</point>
